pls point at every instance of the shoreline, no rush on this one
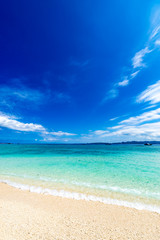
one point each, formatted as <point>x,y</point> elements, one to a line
<point>82,196</point>
<point>28,215</point>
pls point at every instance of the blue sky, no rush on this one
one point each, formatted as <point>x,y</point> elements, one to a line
<point>79,71</point>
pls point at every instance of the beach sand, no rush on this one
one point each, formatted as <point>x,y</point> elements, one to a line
<point>25,215</point>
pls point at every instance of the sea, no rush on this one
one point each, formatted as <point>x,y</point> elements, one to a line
<point>118,174</point>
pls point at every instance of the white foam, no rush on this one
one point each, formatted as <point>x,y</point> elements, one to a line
<point>117,189</point>
<point>81,196</point>
<point>132,191</point>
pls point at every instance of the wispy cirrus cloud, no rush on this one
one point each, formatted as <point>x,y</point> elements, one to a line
<point>100,132</point>
<point>113,119</point>
<point>155,31</point>
<point>134,74</point>
<point>144,117</point>
<point>144,126</point>
<point>78,63</point>
<point>123,82</point>
<point>24,94</point>
<point>49,139</point>
<point>145,131</point>
<point>16,93</point>
<point>155,23</point>
<point>157,42</point>
<point>151,94</point>
<point>56,136</point>
<point>59,133</point>
<point>130,132</point>
<point>138,60</point>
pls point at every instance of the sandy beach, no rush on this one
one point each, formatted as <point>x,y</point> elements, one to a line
<point>25,215</point>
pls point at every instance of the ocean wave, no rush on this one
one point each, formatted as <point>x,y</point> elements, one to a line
<point>116,189</point>
<point>81,196</point>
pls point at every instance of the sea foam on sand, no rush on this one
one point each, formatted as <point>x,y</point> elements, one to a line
<point>81,196</point>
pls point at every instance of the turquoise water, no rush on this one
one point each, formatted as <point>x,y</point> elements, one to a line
<point>119,174</point>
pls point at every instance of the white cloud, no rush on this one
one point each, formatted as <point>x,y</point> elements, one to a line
<point>123,83</point>
<point>15,96</point>
<point>141,127</point>
<point>113,93</point>
<point>112,119</point>
<point>10,122</point>
<point>144,117</point>
<point>151,94</point>
<point>151,106</point>
<point>148,130</point>
<point>157,42</point>
<point>134,74</point>
<point>129,132</point>
<point>115,127</point>
<point>100,132</point>
<point>56,136</point>
<point>155,23</point>
<point>137,60</point>
<point>154,33</point>
<point>60,133</point>
<point>127,79</point>
<point>49,139</point>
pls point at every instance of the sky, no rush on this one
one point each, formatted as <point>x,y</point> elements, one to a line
<point>79,71</point>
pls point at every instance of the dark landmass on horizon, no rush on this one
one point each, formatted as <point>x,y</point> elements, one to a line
<point>94,143</point>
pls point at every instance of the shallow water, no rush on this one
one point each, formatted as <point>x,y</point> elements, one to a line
<point>117,174</point>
